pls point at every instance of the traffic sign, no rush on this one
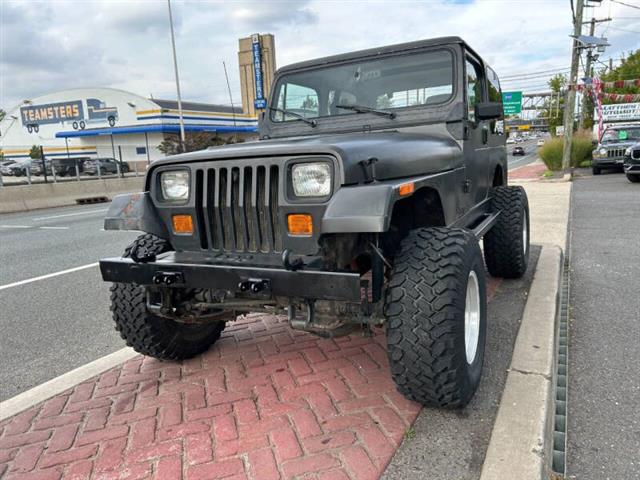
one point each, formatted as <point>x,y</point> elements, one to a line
<point>512,102</point>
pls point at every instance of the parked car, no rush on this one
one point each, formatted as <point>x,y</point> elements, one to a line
<point>36,167</point>
<point>610,151</point>
<point>4,167</point>
<point>518,151</point>
<point>349,229</point>
<point>540,143</point>
<point>67,166</point>
<point>631,163</point>
<point>107,165</point>
<point>19,168</point>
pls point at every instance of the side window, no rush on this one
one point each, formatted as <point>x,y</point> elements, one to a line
<point>495,95</point>
<point>473,83</point>
<point>297,99</point>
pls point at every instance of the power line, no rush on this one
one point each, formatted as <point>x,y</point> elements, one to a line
<point>626,4</point>
<point>535,72</point>
<point>624,29</point>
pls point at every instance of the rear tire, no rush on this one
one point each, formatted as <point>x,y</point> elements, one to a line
<point>633,178</point>
<point>596,170</point>
<point>149,334</point>
<point>426,304</point>
<point>506,245</point>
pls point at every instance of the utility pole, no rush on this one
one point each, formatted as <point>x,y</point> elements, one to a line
<point>587,69</point>
<point>175,67</point>
<point>571,90</point>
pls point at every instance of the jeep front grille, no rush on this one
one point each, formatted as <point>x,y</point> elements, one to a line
<point>615,152</point>
<point>237,208</point>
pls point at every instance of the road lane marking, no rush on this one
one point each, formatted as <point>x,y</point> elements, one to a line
<point>70,214</point>
<point>48,275</point>
<point>32,227</point>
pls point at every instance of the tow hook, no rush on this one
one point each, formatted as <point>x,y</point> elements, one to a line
<point>168,278</point>
<point>254,285</point>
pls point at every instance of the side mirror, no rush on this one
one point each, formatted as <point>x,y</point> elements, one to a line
<point>488,110</point>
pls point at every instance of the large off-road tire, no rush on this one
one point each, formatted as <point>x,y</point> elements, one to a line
<point>596,170</point>
<point>437,317</point>
<point>506,245</point>
<point>633,177</point>
<point>147,333</point>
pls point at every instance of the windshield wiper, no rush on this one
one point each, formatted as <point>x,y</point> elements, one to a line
<point>297,116</point>
<point>365,109</point>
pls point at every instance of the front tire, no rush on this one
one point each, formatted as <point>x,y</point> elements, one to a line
<point>437,317</point>
<point>149,334</point>
<point>596,170</point>
<point>633,178</point>
<point>506,245</point>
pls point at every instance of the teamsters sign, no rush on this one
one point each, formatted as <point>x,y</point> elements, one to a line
<point>52,112</point>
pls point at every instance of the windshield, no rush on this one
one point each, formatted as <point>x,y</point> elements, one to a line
<point>621,135</point>
<point>389,83</point>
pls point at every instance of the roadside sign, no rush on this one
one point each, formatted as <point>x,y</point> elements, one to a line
<point>259,101</point>
<point>560,130</point>
<point>620,112</point>
<point>512,102</point>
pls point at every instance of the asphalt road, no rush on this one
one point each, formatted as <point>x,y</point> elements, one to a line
<point>604,339</point>
<point>50,326</point>
<point>53,325</point>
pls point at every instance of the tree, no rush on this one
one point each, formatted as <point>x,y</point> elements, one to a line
<point>553,106</point>
<point>193,142</point>
<point>629,69</point>
<point>36,152</point>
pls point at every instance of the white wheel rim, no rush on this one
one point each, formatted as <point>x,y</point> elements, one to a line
<point>525,232</point>
<point>472,317</point>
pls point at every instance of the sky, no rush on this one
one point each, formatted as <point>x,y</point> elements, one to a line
<point>46,46</point>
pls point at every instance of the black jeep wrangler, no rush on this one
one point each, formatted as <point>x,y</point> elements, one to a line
<point>376,175</point>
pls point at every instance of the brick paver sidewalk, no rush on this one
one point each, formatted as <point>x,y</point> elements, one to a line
<point>528,172</point>
<point>264,403</point>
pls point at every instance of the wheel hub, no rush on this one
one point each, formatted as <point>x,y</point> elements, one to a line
<point>472,317</point>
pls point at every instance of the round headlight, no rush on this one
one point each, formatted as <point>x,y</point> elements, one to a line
<point>311,179</point>
<point>175,185</point>
<point>602,151</point>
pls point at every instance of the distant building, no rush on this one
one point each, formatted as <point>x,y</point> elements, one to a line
<point>105,122</point>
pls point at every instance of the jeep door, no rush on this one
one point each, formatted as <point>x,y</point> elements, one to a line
<point>477,151</point>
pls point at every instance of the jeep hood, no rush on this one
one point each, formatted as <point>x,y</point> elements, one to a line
<point>398,154</point>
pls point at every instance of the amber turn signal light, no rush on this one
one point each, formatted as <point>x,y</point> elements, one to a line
<point>406,189</point>
<point>182,224</point>
<point>300,224</point>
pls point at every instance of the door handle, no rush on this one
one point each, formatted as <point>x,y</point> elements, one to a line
<point>485,134</point>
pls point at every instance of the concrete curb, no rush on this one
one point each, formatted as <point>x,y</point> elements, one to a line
<point>53,387</point>
<point>521,441</point>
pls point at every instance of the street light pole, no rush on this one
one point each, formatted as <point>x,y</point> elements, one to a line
<point>175,67</point>
<point>571,90</point>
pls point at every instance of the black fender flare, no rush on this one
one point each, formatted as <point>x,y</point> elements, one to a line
<point>135,211</point>
<point>369,207</point>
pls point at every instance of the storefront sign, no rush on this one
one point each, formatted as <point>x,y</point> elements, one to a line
<point>620,112</point>
<point>52,113</point>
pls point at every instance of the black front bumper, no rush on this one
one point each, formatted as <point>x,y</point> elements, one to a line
<point>308,284</point>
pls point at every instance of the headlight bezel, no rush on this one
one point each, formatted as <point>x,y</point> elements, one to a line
<point>292,197</point>
<point>161,192</point>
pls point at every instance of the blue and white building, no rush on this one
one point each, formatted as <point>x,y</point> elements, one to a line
<point>106,122</point>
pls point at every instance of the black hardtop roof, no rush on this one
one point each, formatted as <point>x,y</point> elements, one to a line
<point>399,47</point>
